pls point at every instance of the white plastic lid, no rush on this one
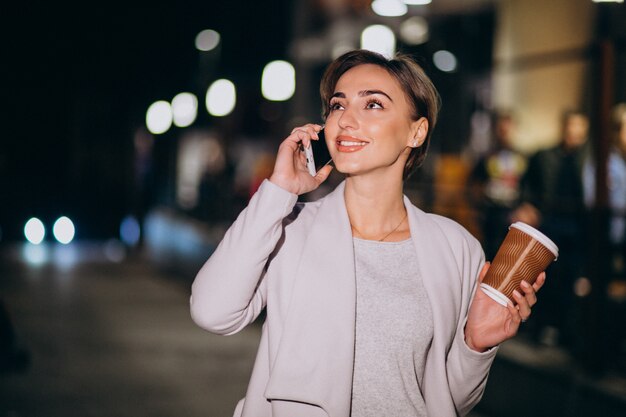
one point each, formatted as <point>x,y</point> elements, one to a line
<point>537,235</point>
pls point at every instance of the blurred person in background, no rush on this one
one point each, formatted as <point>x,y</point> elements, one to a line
<point>372,307</point>
<point>616,181</point>
<point>263,168</point>
<point>552,199</point>
<point>494,183</point>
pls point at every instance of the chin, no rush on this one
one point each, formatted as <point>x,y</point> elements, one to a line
<point>348,168</point>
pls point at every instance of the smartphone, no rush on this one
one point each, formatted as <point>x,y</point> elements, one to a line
<point>317,155</point>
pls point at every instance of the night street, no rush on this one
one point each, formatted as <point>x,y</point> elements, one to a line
<point>114,339</point>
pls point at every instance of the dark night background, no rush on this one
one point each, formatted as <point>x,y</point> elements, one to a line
<point>78,79</point>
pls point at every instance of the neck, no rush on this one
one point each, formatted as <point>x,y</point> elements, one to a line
<point>376,207</point>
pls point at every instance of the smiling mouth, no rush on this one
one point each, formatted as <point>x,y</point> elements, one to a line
<point>349,144</point>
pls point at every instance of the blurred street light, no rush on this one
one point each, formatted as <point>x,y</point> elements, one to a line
<point>278,82</point>
<point>207,40</point>
<point>221,98</point>
<point>184,109</point>
<point>389,8</point>
<point>445,61</point>
<point>130,231</point>
<point>34,231</point>
<point>63,230</point>
<point>159,117</point>
<point>379,38</point>
<point>417,2</point>
<point>414,30</point>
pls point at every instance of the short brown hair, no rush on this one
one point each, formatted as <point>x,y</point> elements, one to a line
<point>418,88</point>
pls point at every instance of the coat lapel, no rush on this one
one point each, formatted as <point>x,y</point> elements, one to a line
<point>436,266</point>
<point>315,357</point>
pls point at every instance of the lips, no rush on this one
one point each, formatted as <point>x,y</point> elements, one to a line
<point>350,144</point>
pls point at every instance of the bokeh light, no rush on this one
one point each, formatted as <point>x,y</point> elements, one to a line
<point>34,231</point>
<point>414,30</point>
<point>63,230</point>
<point>389,8</point>
<point>159,117</point>
<point>445,61</point>
<point>184,109</point>
<point>341,48</point>
<point>130,232</point>
<point>379,38</point>
<point>65,257</point>
<point>417,2</point>
<point>114,250</point>
<point>207,40</point>
<point>221,98</point>
<point>35,255</point>
<point>278,82</point>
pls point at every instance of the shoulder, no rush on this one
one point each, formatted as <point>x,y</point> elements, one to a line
<point>443,230</point>
<point>445,245</point>
<point>304,213</point>
<point>452,230</point>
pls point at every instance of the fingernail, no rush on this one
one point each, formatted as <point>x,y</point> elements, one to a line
<point>517,293</point>
<point>524,284</point>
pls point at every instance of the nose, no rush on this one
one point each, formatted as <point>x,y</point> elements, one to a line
<point>348,120</point>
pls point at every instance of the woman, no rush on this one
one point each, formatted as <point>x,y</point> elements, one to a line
<point>367,297</point>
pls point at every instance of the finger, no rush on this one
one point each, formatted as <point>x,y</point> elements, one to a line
<point>310,128</point>
<point>515,315</point>
<point>323,174</point>
<point>302,136</point>
<point>483,271</point>
<point>529,293</point>
<point>541,279</point>
<point>301,165</point>
<point>522,305</point>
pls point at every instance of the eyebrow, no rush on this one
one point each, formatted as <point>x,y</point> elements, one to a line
<point>363,93</point>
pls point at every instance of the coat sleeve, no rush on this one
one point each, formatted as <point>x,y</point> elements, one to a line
<point>467,369</point>
<point>229,291</point>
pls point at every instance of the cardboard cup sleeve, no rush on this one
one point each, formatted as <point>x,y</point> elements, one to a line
<point>524,253</point>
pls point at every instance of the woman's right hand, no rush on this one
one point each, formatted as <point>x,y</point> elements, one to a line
<point>290,171</point>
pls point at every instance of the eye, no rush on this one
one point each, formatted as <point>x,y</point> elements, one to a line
<point>373,104</point>
<point>334,105</point>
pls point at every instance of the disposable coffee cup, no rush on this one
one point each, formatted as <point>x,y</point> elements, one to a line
<point>524,253</point>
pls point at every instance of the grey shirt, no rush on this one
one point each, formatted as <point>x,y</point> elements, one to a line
<point>394,329</point>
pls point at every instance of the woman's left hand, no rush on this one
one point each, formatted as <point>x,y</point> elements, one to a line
<point>489,323</point>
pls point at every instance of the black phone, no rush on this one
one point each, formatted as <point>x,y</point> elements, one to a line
<point>317,155</point>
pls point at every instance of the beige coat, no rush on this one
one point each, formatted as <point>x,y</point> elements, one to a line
<point>298,261</point>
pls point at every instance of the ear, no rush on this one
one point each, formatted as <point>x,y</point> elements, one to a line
<point>419,131</point>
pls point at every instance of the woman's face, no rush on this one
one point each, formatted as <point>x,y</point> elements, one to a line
<point>369,125</point>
